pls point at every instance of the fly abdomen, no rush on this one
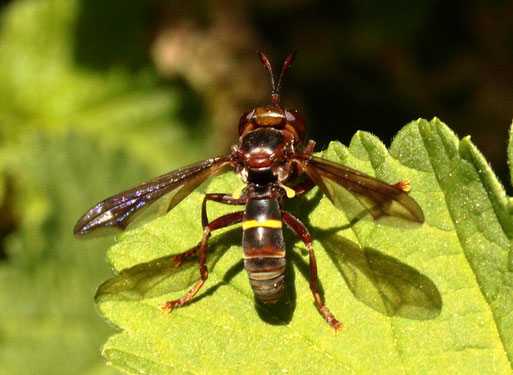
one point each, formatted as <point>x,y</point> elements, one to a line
<point>264,248</point>
<point>266,277</point>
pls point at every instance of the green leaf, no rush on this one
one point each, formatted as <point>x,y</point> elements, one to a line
<point>434,299</point>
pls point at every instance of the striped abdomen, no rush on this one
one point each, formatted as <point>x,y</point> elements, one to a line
<point>264,248</point>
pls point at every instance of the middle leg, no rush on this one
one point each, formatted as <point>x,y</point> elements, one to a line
<point>220,198</point>
<point>220,222</point>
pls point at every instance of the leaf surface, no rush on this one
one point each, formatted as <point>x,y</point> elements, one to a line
<point>434,299</point>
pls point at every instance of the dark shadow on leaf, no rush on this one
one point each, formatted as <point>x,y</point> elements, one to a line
<point>382,282</point>
<point>8,221</point>
<point>303,205</point>
<point>304,269</point>
<point>161,276</point>
<point>229,275</point>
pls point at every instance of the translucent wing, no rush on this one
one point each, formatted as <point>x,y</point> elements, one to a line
<point>154,197</point>
<point>378,198</point>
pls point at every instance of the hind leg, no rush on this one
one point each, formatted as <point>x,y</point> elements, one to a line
<point>300,230</point>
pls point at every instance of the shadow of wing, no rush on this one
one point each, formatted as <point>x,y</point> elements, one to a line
<point>382,282</point>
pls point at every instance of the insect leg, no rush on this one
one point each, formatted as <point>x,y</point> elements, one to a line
<point>221,198</point>
<point>300,230</point>
<point>220,222</point>
<point>178,258</point>
<point>306,185</point>
<point>309,147</point>
<point>308,151</point>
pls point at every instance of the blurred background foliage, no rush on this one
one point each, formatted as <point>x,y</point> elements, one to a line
<point>98,95</point>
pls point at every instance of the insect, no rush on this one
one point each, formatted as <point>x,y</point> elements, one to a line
<point>267,157</point>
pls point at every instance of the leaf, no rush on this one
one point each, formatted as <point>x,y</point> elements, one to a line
<point>436,299</point>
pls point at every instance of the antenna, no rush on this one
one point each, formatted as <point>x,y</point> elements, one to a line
<point>267,64</point>
<point>286,65</point>
<point>275,95</point>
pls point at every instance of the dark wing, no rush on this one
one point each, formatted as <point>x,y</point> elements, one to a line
<point>154,197</point>
<point>339,182</point>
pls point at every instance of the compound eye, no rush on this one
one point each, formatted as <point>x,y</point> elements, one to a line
<point>296,124</point>
<point>246,121</point>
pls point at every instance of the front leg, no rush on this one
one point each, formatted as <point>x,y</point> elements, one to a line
<point>306,185</point>
<point>220,222</point>
<point>296,171</point>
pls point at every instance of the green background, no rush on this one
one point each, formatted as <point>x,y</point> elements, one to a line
<point>96,96</point>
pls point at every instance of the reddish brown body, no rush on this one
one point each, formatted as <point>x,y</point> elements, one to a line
<point>267,157</point>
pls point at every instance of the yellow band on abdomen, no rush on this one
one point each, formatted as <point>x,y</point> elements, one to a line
<point>266,223</point>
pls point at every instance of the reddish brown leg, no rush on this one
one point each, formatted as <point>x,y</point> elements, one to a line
<point>308,151</point>
<point>221,198</point>
<point>178,258</point>
<point>309,147</point>
<point>300,230</point>
<point>220,222</point>
<point>308,184</point>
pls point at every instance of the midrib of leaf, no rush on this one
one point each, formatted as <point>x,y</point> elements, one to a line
<point>424,128</point>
